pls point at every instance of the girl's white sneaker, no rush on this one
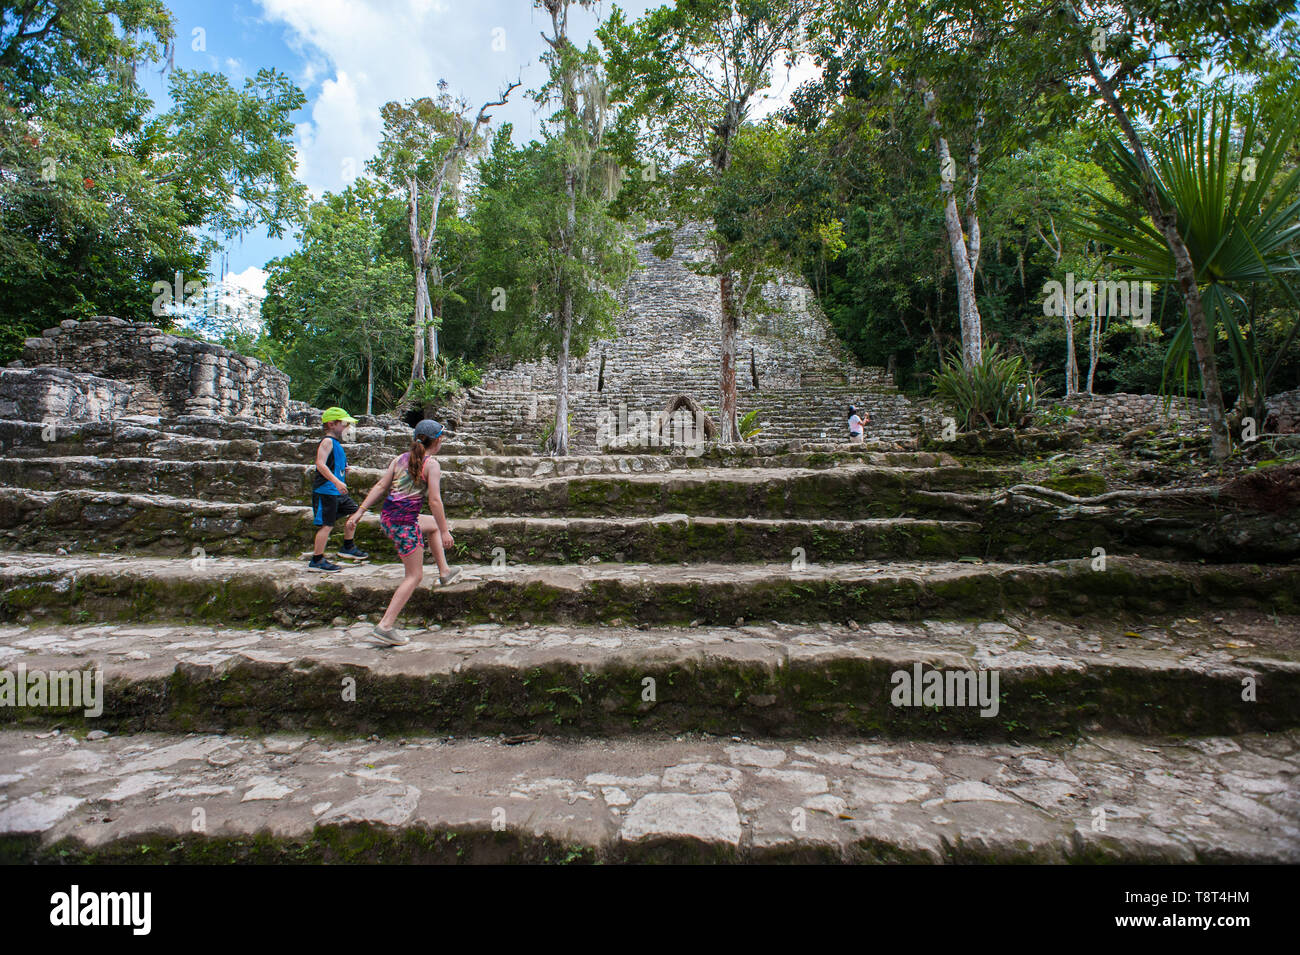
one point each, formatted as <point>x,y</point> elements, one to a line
<point>390,638</point>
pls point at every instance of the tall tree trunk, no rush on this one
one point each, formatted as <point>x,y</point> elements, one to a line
<point>972,198</point>
<point>1067,311</point>
<point>434,309</point>
<point>559,42</point>
<point>370,382</point>
<point>1071,363</point>
<point>728,426</point>
<point>423,253</point>
<point>560,436</point>
<point>435,320</point>
<point>1185,271</point>
<point>965,257</point>
<point>1094,345</point>
<point>421,288</point>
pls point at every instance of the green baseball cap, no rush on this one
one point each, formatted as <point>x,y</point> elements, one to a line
<point>336,414</point>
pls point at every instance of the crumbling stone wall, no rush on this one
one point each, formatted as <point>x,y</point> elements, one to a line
<point>40,394</point>
<point>1284,412</point>
<point>168,375</point>
<point>1124,412</point>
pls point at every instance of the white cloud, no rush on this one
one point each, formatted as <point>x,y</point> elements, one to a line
<point>340,136</point>
<point>364,53</point>
<point>368,52</point>
<point>251,280</point>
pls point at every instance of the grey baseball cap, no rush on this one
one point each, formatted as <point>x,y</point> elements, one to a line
<point>428,428</point>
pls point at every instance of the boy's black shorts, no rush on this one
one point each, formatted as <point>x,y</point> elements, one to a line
<point>326,509</point>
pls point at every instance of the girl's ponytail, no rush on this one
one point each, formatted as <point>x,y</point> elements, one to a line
<point>415,466</point>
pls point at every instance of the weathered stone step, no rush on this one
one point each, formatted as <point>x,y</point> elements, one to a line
<point>850,491</point>
<point>27,439</point>
<point>253,592</point>
<point>293,799</point>
<point>101,521</point>
<point>1023,678</point>
<point>481,460</point>
<point>87,520</point>
<point>1213,527</point>
<point>738,456</point>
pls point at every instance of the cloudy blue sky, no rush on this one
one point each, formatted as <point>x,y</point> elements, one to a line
<point>350,57</point>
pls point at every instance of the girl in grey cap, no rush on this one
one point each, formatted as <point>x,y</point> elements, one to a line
<point>409,479</point>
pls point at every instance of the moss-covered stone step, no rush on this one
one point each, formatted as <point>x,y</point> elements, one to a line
<point>168,440</point>
<point>852,492</point>
<point>455,456</point>
<point>232,481</point>
<point>145,427</point>
<point>97,521</point>
<point>1019,678</point>
<point>847,492</point>
<point>537,466</point>
<point>254,592</point>
<point>1209,526</point>
<point>220,799</point>
<point>84,520</point>
<point>958,525</point>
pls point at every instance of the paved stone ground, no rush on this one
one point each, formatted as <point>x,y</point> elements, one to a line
<point>1117,799</point>
<point>16,567</point>
<point>1228,644</point>
<point>80,587</point>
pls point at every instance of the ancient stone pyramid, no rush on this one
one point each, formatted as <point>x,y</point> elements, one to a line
<point>667,344</point>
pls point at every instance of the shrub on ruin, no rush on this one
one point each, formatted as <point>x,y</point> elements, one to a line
<point>998,391</point>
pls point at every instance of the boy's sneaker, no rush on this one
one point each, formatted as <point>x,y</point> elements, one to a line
<point>452,575</point>
<point>321,564</point>
<point>390,638</point>
<point>353,553</point>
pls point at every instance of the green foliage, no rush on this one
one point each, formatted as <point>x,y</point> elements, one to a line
<point>435,391</point>
<point>749,424</point>
<point>520,269</point>
<point>886,285</point>
<point>337,307</point>
<point>1224,174</point>
<point>998,391</point>
<point>78,42</point>
<point>452,376</point>
<point>103,194</point>
<point>1053,416</point>
<point>464,372</point>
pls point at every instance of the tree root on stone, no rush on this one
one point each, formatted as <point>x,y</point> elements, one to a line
<point>1173,493</point>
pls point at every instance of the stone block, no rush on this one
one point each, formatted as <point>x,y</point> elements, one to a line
<point>171,369</point>
<point>36,394</point>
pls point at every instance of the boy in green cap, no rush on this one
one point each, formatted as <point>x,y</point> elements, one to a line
<point>329,493</point>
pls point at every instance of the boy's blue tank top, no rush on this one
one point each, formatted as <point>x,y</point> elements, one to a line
<point>337,462</point>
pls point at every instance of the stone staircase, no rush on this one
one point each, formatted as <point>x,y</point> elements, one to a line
<point>667,344</point>
<point>651,657</point>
